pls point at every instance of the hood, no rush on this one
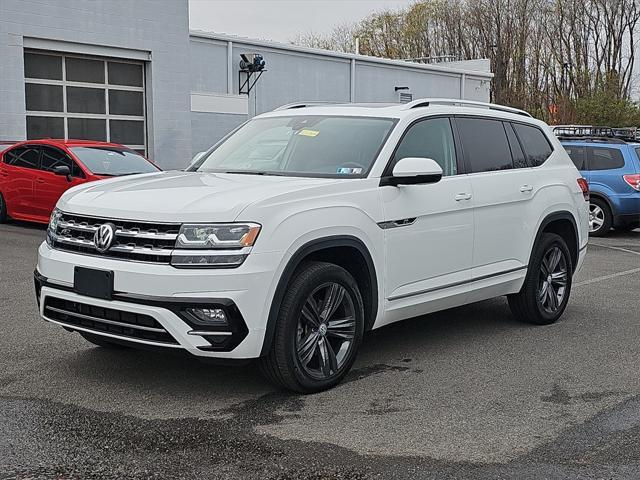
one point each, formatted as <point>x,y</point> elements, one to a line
<point>180,196</point>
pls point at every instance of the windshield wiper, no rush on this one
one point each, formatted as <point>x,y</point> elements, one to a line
<point>255,172</point>
<point>245,172</point>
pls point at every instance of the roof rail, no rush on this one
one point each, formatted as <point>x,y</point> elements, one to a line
<point>426,102</point>
<point>291,106</point>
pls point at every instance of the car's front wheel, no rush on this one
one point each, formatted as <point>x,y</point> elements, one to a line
<point>318,329</point>
<point>547,286</point>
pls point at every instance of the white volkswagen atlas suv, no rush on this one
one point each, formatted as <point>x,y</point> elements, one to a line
<point>312,224</point>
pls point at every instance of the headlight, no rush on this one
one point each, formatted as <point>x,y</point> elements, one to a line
<point>215,245</point>
<point>215,236</point>
<point>53,226</point>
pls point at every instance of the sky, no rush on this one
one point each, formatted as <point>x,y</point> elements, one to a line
<point>281,20</point>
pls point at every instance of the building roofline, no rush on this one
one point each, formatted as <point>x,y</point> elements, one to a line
<point>223,37</point>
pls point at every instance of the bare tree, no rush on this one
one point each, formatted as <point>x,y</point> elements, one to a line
<point>552,57</point>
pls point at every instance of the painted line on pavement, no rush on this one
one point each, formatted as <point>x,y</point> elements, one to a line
<point>616,248</point>
<point>607,277</point>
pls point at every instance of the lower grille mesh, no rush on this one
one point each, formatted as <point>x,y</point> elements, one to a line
<point>106,320</point>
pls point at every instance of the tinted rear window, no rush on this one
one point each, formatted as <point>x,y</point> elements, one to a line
<point>534,143</point>
<point>605,158</point>
<point>485,144</point>
<point>577,155</point>
<point>26,157</point>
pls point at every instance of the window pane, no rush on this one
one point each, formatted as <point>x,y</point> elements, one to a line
<point>42,66</point>
<point>87,129</point>
<point>45,127</point>
<point>125,103</point>
<point>605,159</point>
<point>125,74</point>
<point>112,161</point>
<point>577,155</point>
<point>127,132</point>
<point>52,158</point>
<point>485,144</point>
<point>534,143</point>
<point>26,157</point>
<point>516,151</point>
<point>84,70</point>
<point>430,139</point>
<point>46,98</point>
<point>85,100</point>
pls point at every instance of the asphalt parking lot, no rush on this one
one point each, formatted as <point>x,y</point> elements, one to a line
<point>466,393</point>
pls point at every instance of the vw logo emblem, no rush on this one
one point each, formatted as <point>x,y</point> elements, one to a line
<point>103,238</point>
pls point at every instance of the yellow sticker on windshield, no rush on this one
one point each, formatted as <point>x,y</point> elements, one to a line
<point>309,133</point>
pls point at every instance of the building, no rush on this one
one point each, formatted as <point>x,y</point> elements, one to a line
<point>130,71</point>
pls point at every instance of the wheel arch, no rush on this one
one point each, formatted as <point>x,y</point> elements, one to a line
<point>603,197</point>
<point>562,223</point>
<point>330,249</point>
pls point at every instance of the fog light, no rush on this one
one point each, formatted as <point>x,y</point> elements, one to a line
<point>209,316</point>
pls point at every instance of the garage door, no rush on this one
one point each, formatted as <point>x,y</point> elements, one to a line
<point>70,96</point>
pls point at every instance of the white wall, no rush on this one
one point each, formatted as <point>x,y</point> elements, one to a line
<point>160,28</point>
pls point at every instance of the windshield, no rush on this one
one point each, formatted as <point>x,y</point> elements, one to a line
<point>112,161</point>
<point>310,146</point>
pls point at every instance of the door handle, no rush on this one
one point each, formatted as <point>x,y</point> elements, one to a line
<point>40,180</point>
<point>462,196</point>
<point>526,188</point>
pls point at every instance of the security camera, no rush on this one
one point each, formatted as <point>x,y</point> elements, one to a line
<point>252,62</point>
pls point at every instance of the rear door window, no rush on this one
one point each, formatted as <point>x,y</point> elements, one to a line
<point>578,156</point>
<point>603,158</point>
<point>25,157</point>
<point>485,144</point>
<point>534,143</point>
<point>519,160</point>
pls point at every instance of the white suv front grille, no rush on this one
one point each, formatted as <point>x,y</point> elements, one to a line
<point>139,241</point>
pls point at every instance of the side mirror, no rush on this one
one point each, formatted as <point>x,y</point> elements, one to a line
<point>63,171</point>
<point>414,171</point>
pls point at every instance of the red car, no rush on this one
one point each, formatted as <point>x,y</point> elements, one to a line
<point>34,174</point>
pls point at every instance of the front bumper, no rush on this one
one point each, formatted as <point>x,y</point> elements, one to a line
<point>156,297</point>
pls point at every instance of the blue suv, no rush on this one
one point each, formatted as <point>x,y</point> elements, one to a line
<point>610,162</point>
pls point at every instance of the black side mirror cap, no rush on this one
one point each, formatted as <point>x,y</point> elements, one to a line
<point>63,171</point>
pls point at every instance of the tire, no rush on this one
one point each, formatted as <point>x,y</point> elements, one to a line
<point>314,350</point>
<point>3,210</point>
<point>101,341</point>
<point>535,303</point>
<point>600,218</point>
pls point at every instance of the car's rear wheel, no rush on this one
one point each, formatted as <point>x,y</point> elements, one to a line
<point>101,341</point>
<point>600,217</point>
<point>318,329</point>
<point>3,209</point>
<point>547,286</point>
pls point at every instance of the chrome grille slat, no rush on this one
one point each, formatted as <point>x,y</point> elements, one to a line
<point>146,235</point>
<point>74,226</point>
<point>76,241</point>
<point>140,250</point>
<point>133,240</point>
